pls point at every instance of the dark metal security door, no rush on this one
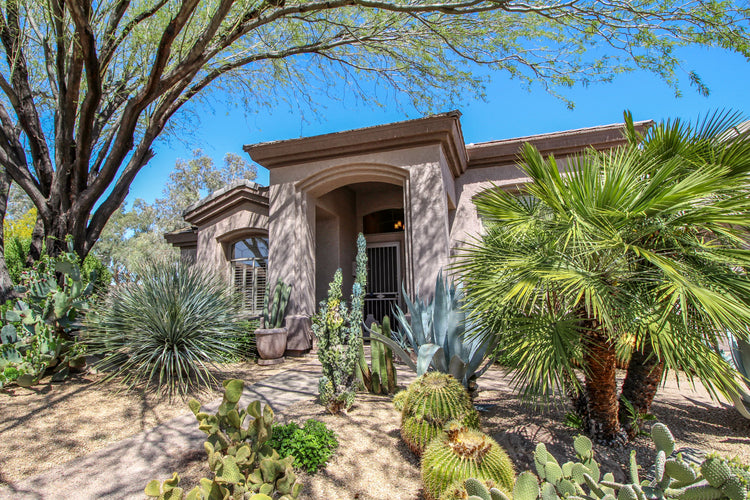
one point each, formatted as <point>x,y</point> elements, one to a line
<point>383,279</point>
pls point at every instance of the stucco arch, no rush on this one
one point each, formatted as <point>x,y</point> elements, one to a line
<point>331,178</point>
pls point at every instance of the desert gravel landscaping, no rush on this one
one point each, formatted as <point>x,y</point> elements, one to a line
<point>51,423</point>
<point>373,463</point>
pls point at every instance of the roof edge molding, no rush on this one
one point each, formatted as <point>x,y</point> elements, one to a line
<point>224,199</point>
<point>443,129</point>
<point>332,178</point>
<point>504,152</point>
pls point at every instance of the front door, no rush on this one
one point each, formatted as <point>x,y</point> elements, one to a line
<point>383,280</point>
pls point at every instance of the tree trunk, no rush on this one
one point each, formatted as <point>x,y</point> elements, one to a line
<point>601,386</point>
<point>37,243</point>
<point>6,284</point>
<point>640,386</point>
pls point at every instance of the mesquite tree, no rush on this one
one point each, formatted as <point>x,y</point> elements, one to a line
<point>87,87</point>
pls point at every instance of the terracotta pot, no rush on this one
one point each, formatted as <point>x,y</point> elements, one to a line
<point>271,344</point>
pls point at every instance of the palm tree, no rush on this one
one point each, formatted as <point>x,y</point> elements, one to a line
<point>638,250</point>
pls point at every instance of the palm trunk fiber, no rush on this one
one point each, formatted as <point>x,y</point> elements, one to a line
<point>601,387</point>
<point>640,386</point>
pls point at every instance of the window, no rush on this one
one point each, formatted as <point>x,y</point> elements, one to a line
<point>249,259</point>
<point>384,221</point>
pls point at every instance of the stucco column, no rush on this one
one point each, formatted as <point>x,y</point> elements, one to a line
<point>427,225</point>
<point>291,255</point>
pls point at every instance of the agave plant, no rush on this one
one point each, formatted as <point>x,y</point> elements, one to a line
<point>741,360</point>
<point>440,335</point>
<point>167,328</point>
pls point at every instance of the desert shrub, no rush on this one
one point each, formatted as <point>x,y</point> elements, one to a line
<point>167,328</point>
<point>245,345</point>
<point>311,445</point>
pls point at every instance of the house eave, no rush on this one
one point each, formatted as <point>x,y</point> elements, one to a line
<point>505,152</point>
<point>224,200</point>
<point>443,129</point>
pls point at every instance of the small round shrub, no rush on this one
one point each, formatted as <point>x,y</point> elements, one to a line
<point>311,445</point>
<point>433,400</point>
<point>462,453</point>
<point>167,328</point>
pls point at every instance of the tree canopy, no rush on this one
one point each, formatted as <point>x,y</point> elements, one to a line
<point>87,87</point>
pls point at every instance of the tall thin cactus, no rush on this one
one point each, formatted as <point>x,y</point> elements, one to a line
<point>338,330</point>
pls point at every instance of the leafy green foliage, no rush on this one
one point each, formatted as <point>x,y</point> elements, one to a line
<point>338,330</point>
<point>239,455</point>
<point>311,445</point>
<point>638,248</point>
<point>168,328</point>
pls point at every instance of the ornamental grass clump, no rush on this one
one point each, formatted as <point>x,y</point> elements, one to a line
<point>166,329</point>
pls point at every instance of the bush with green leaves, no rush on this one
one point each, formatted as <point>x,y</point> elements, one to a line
<point>311,445</point>
<point>166,329</point>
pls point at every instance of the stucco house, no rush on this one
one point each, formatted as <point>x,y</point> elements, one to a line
<point>408,186</point>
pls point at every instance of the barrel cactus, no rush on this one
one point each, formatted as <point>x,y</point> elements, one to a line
<point>463,453</point>
<point>473,489</point>
<point>432,401</point>
<point>399,399</point>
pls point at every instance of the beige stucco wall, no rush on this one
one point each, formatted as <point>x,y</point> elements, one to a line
<point>335,238</point>
<point>216,234</point>
<point>426,210</point>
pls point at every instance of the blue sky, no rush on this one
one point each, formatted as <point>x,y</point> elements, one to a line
<point>509,111</point>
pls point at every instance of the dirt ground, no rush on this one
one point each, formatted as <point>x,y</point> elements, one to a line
<point>372,462</point>
<point>52,423</point>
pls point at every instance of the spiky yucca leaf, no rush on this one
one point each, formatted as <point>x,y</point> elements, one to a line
<point>166,329</point>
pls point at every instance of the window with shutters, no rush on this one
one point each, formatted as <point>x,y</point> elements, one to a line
<point>249,258</point>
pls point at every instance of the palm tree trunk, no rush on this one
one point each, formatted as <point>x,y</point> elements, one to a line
<point>640,386</point>
<point>601,387</point>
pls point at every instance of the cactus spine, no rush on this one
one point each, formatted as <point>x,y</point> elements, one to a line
<point>462,453</point>
<point>433,400</point>
<point>338,330</point>
<point>381,378</point>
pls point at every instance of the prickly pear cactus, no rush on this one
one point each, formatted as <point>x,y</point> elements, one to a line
<point>338,330</point>
<point>462,453</point>
<point>674,478</point>
<point>433,400</point>
<point>239,456</point>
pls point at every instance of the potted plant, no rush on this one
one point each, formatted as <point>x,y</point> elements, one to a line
<point>271,338</point>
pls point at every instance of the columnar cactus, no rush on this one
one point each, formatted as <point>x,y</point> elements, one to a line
<point>433,400</point>
<point>274,304</point>
<point>381,378</point>
<point>338,330</point>
<point>463,453</point>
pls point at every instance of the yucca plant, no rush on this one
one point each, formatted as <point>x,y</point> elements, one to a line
<point>168,328</point>
<point>643,247</point>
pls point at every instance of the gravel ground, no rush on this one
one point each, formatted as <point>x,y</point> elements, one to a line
<point>372,462</point>
<point>52,423</point>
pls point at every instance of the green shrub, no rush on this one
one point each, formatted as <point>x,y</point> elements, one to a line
<point>167,328</point>
<point>311,445</point>
<point>245,345</point>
